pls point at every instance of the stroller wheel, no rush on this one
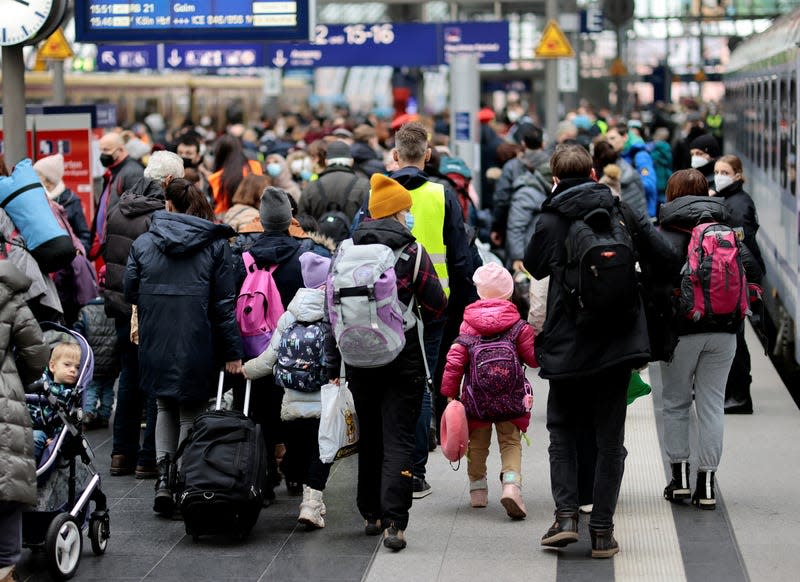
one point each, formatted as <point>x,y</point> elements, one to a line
<point>98,536</point>
<point>63,545</point>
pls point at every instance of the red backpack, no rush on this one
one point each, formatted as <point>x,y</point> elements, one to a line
<point>714,287</point>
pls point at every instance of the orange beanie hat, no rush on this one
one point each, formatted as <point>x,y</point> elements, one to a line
<point>387,197</point>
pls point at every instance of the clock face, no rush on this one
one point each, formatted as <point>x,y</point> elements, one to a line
<point>22,19</point>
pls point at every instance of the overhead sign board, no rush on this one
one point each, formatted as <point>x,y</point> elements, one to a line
<point>592,20</point>
<point>398,45</point>
<point>554,44</point>
<point>179,56</point>
<point>127,57</point>
<point>203,20</point>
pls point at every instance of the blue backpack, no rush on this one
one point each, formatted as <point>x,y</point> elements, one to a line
<point>300,363</point>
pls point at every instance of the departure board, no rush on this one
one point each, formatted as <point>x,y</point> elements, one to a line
<point>162,20</point>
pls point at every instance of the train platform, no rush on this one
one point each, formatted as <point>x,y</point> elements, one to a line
<point>751,536</point>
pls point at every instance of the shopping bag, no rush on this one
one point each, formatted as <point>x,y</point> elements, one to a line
<point>338,425</point>
<point>637,387</point>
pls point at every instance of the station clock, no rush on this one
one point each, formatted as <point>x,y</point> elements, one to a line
<point>29,21</point>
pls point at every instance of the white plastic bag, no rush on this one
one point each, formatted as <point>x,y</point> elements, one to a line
<point>338,425</point>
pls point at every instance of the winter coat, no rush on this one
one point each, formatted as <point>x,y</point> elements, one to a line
<point>530,192</point>
<point>275,248</point>
<point>676,221</point>
<point>240,215</point>
<point>743,214</point>
<point>20,340</point>
<point>662,161</point>
<point>179,275</point>
<point>504,189</point>
<point>343,189</point>
<point>636,154</point>
<point>101,333</point>
<point>562,349</point>
<point>77,219</point>
<point>308,306</point>
<point>129,220</point>
<point>632,188</point>
<point>118,179</point>
<point>487,318</point>
<point>367,161</point>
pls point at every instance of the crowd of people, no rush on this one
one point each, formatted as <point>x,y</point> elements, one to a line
<point>181,223</point>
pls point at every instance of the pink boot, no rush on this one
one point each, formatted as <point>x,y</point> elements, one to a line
<point>478,493</point>
<point>512,496</point>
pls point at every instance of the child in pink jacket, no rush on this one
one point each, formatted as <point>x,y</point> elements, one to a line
<point>495,392</point>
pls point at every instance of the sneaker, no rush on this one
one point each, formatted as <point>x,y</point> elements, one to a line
<point>394,538</point>
<point>372,528</point>
<point>678,489</point>
<point>603,543</point>
<point>564,530</point>
<point>512,501</point>
<point>311,509</point>
<point>146,471</point>
<point>704,497</point>
<point>478,493</point>
<point>120,466</point>
<point>738,406</point>
<point>421,488</point>
<point>586,509</point>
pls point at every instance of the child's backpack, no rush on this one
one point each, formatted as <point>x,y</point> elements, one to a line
<point>258,307</point>
<point>600,275</point>
<point>367,318</point>
<point>299,365</point>
<point>714,286</point>
<point>495,387</point>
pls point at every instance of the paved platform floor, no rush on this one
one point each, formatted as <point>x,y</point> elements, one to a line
<point>753,535</point>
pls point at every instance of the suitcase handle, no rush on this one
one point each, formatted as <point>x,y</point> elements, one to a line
<point>220,385</point>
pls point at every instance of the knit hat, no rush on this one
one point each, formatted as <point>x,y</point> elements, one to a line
<point>706,143</point>
<point>276,211</point>
<point>314,269</point>
<point>387,197</point>
<point>493,282</point>
<point>51,168</point>
<point>338,153</point>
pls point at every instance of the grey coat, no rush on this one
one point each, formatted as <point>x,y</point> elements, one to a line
<point>18,332</point>
<point>530,192</point>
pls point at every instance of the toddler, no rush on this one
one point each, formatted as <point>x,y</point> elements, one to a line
<point>59,379</point>
<point>302,354</point>
<point>489,354</point>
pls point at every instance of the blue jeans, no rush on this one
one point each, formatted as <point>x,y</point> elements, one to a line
<point>100,390</point>
<point>39,443</point>
<point>432,338</point>
<point>130,402</point>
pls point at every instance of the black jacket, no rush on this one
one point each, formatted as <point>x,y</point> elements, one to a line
<point>119,179</point>
<point>126,222</point>
<point>340,187</point>
<point>179,274</point>
<point>367,161</point>
<point>101,333</point>
<point>563,349</point>
<point>276,248</point>
<point>743,214</point>
<point>76,217</point>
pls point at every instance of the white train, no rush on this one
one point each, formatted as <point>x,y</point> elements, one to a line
<point>761,123</point>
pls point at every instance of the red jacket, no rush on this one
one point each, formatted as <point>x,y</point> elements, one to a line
<point>487,317</point>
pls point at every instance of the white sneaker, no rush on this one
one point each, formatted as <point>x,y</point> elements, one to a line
<point>312,508</point>
<point>586,508</point>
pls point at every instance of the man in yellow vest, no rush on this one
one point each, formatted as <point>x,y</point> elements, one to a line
<point>439,226</point>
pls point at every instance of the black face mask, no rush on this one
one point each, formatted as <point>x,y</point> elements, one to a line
<point>189,163</point>
<point>107,160</point>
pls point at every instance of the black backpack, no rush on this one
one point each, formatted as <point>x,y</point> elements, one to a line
<point>334,223</point>
<point>600,275</point>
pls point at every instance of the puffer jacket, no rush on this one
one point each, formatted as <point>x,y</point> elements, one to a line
<point>240,215</point>
<point>486,318</point>
<point>101,333</point>
<point>126,222</point>
<point>308,306</point>
<point>19,335</point>
<point>179,274</point>
<point>530,192</point>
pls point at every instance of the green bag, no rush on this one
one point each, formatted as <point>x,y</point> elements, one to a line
<point>637,387</point>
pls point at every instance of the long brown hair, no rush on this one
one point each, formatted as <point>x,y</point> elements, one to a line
<point>250,190</point>
<point>187,199</point>
<point>689,182</point>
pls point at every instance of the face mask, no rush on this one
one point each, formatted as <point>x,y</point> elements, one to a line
<point>188,163</point>
<point>107,160</point>
<point>274,169</point>
<point>409,219</point>
<point>698,161</point>
<point>513,116</point>
<point>721,182</point>
<point>305,175</point>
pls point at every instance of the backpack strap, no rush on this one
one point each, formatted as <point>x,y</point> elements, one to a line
<point>250,263</point>
<point>515,330</point>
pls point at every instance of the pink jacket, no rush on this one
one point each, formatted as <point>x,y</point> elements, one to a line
<point>487,317</point>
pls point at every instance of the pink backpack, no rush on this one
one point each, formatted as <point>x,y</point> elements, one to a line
<point>258,307</point>
<point>714,286</point>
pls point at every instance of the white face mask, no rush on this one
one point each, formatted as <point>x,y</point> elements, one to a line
<point>722,181</point>
<point>698,161</point>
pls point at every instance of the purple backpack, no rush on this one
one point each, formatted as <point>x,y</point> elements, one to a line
<point>258,307</point>
<point>495,387</point>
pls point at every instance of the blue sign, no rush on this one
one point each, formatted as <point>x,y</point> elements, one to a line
<point>127,57</point>
<point>394,45</point>
<point>167,20</point>
<point>592,20</point>
<point>462,126</point>
<point>183,56</point>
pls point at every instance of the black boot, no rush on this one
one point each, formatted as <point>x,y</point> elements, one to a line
<point>678,489</point>
<point>704,491</point>
<point>603,543</point>
<point>563,531</point>
<point>164,503</point>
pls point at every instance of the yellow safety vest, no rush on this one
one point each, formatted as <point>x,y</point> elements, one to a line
<point>428,210</point>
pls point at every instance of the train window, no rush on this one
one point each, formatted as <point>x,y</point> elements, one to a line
<point>783,134</point>
<point>791,158</point>
<point>774,110</point>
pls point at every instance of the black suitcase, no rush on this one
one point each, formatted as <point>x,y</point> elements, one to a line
<point>223,472</point>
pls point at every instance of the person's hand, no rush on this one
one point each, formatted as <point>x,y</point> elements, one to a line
<point>496,238</point>
<point>450,399</point>
<point>334,381</point>
<point>518,267</point>
<point>234,367</point>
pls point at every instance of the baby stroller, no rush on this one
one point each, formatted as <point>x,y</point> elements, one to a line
<point>67,482</point>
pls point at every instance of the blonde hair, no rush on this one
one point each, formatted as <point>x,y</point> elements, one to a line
<point>64,350</point>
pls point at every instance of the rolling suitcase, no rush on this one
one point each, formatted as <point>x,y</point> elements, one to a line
<point>223,471</point>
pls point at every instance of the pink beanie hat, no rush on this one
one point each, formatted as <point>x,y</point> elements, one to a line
<point>493,282</point>
<point>51,168</point>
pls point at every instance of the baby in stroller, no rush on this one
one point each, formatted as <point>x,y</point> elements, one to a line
<point>58,380</point>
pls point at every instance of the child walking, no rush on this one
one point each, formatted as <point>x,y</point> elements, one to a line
<point>489,354</point>
<point>302,354</point>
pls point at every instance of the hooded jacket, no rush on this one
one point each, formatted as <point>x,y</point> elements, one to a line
<point>276,248</point>
<point>743,214</point>
<point>530,191</point>
<point>562,349</point>
<point>126,222</point>
<point>486,318</point>
<point>344,190</point>
<point>179,274</point>
<point>504,189</point>
<point>308,306</point>
<point>632,188</point>
<point>636,154</point>
<point>21,345</point>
